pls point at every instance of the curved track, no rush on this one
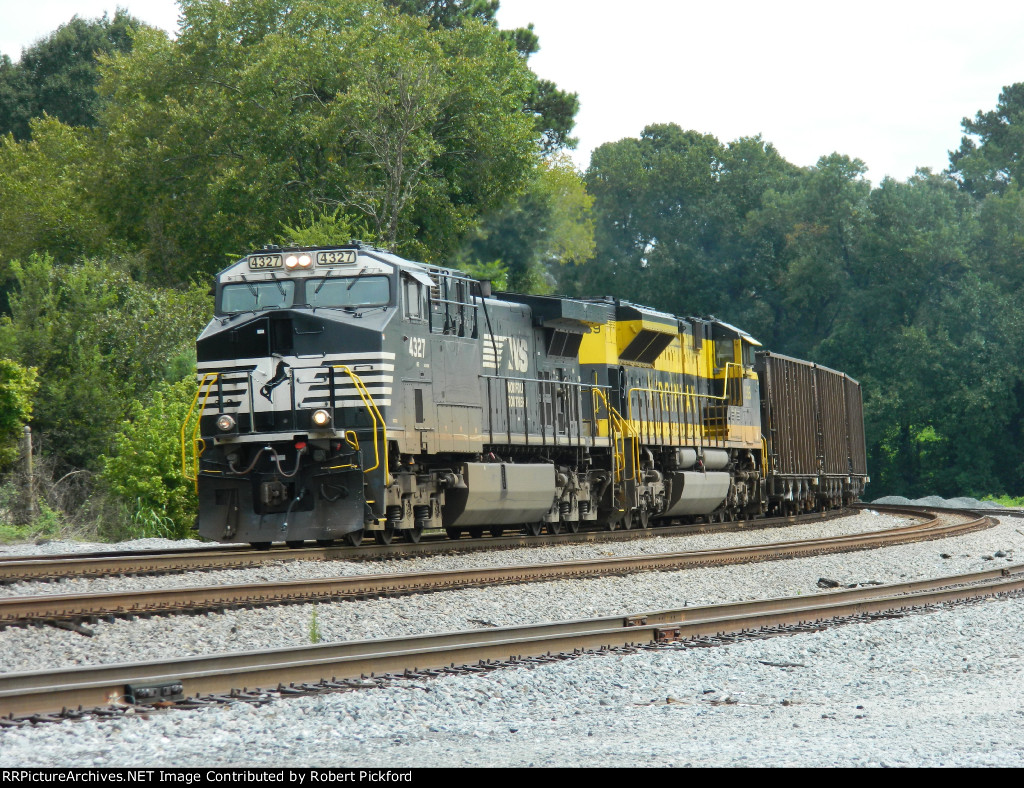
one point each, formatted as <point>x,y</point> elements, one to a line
<point>15,569</point>
<point>78,607</point>
<point>34,697</point>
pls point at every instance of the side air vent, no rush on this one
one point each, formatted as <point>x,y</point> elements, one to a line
<point>563,343</point>
<point>646,347</point>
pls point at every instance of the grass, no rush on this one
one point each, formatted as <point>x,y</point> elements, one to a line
<point>314,627</point>
<point>1005,500</point>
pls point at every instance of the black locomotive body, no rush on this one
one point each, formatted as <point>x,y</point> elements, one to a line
<point>346,391</point>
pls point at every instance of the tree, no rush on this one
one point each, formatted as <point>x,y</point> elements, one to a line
<point>45,192</point>
<point>549,226</point>
<point>554,109</point>
<point>672,211</point>
<point>99,341</point>
<point>18,386</point>
<point>265,109</point>
<point>991,156</point>
<point>58,74</point>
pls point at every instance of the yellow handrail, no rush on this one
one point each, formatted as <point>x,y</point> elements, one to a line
<point>206,382</point>
<point>371,407</point>
<point>617,429</point>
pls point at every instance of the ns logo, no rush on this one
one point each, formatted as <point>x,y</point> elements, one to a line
<point>506,353</point>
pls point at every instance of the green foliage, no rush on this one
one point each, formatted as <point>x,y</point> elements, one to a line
<point>549,225</point>
<point>1005,500</point>
<point>144,470</point>
<point>991,156</point>
<point>262,110</point>
<point>99,341</point>
<point>554,110</point>
<point>45,193</point>
<point>325,228</point>
<point>314,627</point>
<point>58,74</point>
<point>18,386</point>
<point>493,271</point>
<point>913,288</point>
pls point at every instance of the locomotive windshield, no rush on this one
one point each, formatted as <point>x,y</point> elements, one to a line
<point>254,296</point>
<point>353,291</point>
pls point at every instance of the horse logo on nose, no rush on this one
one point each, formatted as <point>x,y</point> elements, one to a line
<point>279,377</point>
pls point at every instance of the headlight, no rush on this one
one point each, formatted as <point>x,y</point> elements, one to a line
<point>225,422</point>
<point>305,261</point>
<point>291,261</point>
<point>321,418</point>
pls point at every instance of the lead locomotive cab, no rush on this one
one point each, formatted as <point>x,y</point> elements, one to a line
<point>288,431</point>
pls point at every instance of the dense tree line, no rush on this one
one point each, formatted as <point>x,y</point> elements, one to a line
<point>134,166</point>
<point>915,288</point>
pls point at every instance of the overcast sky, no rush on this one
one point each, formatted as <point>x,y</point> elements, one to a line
<point>887,82</point>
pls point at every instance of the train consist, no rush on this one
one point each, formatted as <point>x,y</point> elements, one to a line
<point>345,392</point>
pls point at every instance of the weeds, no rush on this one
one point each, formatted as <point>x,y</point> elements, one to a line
<point>1005,500</point>
<point>314,627</point>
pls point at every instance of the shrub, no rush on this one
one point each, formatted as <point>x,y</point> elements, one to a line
<point>145,471</point>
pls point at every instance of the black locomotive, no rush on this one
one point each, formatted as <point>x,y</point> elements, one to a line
<point>345,391</point>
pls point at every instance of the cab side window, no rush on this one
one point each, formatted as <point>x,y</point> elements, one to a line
<point>413,296</point>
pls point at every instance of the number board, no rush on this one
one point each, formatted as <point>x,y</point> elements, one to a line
<point>337,257</point>
<point>260,261</point>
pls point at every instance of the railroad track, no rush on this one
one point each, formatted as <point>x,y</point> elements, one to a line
<point>73,609</point>
<point>15,569</point>
<point>169,560</point>
<point>198,681</point>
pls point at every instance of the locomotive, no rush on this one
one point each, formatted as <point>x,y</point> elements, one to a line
<point>345,392</point>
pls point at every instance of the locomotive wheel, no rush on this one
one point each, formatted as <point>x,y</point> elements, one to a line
<point>453,533</point>
<point>572,526</point>
<point>354,538</point>
<point>385,535</point>
<point>644,518</point>
<point>476,533</point>
<point>259,545</point>
<point>556,528</point>
<point>533,529</point>
<point>629,519</point>
<point>497,530</point>
<point>324,542</point>
<point>413,535</point>
<point>296,544</point>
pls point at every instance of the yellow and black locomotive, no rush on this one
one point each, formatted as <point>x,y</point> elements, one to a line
<point>345,391</point>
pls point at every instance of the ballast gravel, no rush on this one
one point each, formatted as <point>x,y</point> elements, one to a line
<point>308,570</point>
<point>937,689</point>
<point>942,689</point>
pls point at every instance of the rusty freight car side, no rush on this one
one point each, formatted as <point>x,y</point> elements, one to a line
<point>812,424</point>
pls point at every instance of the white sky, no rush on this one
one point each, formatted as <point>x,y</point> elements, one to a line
<point>888,82</point>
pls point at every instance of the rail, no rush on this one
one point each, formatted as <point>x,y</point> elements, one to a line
<point>54,693</point>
